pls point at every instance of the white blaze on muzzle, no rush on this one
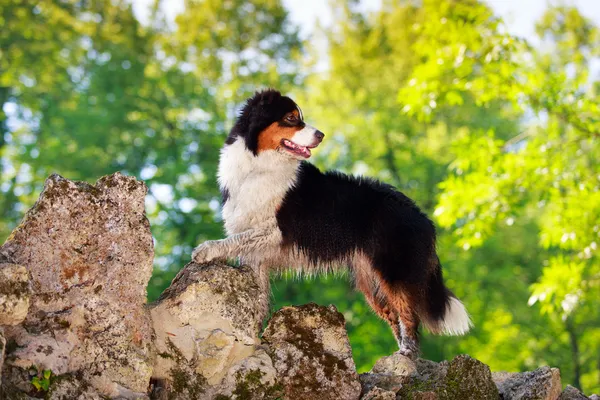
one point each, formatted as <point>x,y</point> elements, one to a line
<point>306,136</point>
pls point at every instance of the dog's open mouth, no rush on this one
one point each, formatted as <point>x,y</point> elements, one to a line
<point>303,151</point>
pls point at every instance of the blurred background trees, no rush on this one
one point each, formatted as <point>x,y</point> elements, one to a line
<point>495,138</point>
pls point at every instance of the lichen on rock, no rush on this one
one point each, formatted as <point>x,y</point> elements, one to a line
<point>207,320</point>
<point>311,353</point>
<point>15,292</point>
<point>89,253</point>
<point>461,378</point>
<point>572,393</point>
<point>542,384</point>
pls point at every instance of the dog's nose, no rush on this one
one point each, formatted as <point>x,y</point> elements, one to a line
<point>320,135</point>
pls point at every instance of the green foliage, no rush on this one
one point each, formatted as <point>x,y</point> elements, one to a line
<point>546,175</point>
<point>42,383</point>
<point>496,139</point>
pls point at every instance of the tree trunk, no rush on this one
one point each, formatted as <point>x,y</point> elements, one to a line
<point>574,353</point>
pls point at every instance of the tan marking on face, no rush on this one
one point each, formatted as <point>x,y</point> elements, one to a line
<point>270,138</point>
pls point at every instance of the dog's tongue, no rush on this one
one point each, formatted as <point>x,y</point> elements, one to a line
<point>301,150</point>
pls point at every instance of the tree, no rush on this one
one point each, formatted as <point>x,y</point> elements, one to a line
<point>357,104</point>
<point>545,176</point>
<point>96,92</point>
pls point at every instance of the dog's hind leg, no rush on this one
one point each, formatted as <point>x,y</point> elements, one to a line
<point>369,283</point>
<point>395,304</point>
<point>405,304</point>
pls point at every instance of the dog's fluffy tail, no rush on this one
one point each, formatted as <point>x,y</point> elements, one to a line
<point>441,312</point>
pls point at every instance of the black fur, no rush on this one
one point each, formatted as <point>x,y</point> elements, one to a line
<point>329,215</point>
<point>260,111</point>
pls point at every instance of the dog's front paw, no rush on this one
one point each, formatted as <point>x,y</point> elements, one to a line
<point>206,253</point>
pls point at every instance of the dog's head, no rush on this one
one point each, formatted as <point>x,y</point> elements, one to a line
<point>272,122</point>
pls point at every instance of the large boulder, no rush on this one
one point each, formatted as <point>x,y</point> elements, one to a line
<point>88,251</point>
<point>541,384</point>
<point>74,323</point>
<point>387,377</point>
<point>207,324</point>
<point>572,393</point>
<point>311,353</point>
<point>461,378</point>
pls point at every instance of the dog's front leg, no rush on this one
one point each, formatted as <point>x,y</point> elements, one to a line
<point>252,241</point>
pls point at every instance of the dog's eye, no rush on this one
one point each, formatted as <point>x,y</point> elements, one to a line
<point>291,118</point>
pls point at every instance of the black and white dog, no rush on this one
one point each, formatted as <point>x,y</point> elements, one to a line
<point>281,213</point>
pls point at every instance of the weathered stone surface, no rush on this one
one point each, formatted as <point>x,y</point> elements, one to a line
<point>385,382</point>
<point>88,251</point>
<point>572,393</point>
<point>69,388</point>
<point>311,353</point>
<point>2,352</point>
<point>461,378</point>
<point>541,384</point>
<point>387,375</point>
<point>469,378</point>
<point>208,320</point>
<point>379,394</point>
<point>253,378</point>
<point>396,364</point>
<point>14,293</point>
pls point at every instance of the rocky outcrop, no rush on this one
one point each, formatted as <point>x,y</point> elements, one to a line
<point>74,323</point>
<point>206,325</point>
<point>311,353</point>
<point>571,393</point>
<point>89,253</point>
<point>72,301</point>
<point>461,378</point>
<point>541,384</point>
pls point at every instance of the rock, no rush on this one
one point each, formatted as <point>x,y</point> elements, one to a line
<point>2,351</point>
<point>462,378</point>
<point>74,323</point>
<point>379,394</point>
<point>254,378</point>
<point>594,397</point>
<point>387,375</point>
<point>385,382</point>
<point>206,322</point>
<point>572,393</point>
<point>541,384</point>
<point>396,364</point>
<point>470,378</point>
<point>14,294</point>
<point>68,387</point>
<point>88,251</point>
<point>311,353</point>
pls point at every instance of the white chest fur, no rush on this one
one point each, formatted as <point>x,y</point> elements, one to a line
<point>256,185</point>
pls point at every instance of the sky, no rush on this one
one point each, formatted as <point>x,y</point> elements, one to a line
<point>520,15</point>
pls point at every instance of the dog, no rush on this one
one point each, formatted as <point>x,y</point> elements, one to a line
<point>281,212</point>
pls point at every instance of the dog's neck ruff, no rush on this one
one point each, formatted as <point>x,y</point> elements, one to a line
<point>256,185</point>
